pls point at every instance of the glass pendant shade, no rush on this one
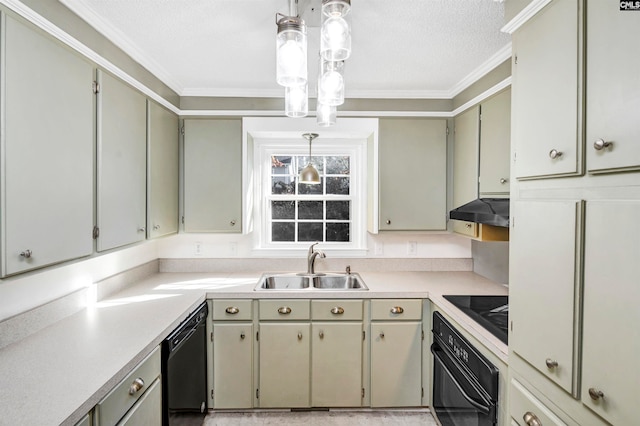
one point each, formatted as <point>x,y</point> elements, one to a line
<point>335,32</point>
<point>296,101</point>
<point>331,83</point>
<point>326,115</point>
<point>291,51</point>
<point>309,174</point>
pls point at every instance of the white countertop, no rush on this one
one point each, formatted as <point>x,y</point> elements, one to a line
<point>58,374</point>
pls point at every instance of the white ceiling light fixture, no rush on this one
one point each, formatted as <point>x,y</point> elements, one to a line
<point>309,174</point>
<point>331,82</point>
<point>335,33</point>
<point>291,51</point>
<point>296,101</point>
<point>326,115</point>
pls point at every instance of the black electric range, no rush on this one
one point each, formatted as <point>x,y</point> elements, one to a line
<point>491,312</point>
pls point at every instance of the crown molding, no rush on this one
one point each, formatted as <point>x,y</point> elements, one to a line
<point>499,57</point>
<point>525,14</point>
<point>482,96</point>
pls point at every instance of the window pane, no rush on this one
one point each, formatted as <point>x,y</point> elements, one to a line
<point>282,185</point>
<point>281,165</point>
<point>338,185</point>
<point>303,160</point>
<point>338,165</point>
<point>304,188</point>
<point>338,232</point>
<point>310,231</point>
<point>283,231</point>
<point>338,210</point>
<point>310,210</point>
<point>283,210</point>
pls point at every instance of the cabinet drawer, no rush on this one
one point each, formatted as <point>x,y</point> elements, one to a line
<point>111,409</point>
<point>524,405</point>
<point>284,309</point>
<point>396,309</point>
<point>337,310</point>
<point>232,309</point>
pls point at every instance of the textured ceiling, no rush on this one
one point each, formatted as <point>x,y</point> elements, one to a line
<point>401,48</point>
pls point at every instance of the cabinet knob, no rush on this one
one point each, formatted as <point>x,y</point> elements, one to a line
<point>468,225</point>
<point>284,310</point>
<point>382,334</point>
<point>554,153</point>
<point>136,386</point>
<point>595,394</point>
<point>299,335</point>
<point>26,254</point>
<point>321,334</point>
<point>337,310</point>
<point>503,180</point>
<point>232,310</point>
<point>388,222</point>
<point>141,229</point>
<point>156,227</point>
<point>531,419</point>
<point>242,335</point>
<point>397,310</point>
<point>551,364</point>
<point>601,144</point>
<point>232,223</point>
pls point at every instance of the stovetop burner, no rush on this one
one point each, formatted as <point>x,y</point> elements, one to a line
<point>491,312</point>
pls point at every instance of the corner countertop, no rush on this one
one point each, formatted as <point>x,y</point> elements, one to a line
<point>60,373</point>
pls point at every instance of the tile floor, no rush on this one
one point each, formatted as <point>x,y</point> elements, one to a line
<point>323,418</point>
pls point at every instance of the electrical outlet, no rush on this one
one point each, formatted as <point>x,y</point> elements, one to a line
<point>198,249</point>
<point>412,248</point>
<point>379,249</point>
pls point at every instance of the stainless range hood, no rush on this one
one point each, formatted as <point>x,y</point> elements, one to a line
<point>490,211</point>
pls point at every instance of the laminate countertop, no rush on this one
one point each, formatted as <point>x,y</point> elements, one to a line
<point>57,375</point>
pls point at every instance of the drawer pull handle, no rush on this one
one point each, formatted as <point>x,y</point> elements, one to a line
<point>284,310</point>
<point>503,180</point>
<point>26,254</point>
<point>551,364</point>
<point>600,144</point>
<point>232,223</point>
<point>595,394</point>
<point>232,310</point>
<point>468,225</point>
<point>554,153</point>
<point>382,334</point>
<point>388,222</point>
<point>136,386</point>
<point>531,419</point>
<point>397,310</point>
<point>337,310</point>
<point>321,334</point>
<point>299,335</point>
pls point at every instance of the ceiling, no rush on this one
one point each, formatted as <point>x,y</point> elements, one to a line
<point>400,48</point>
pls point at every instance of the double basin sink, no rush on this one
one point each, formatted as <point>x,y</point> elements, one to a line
<point>328,281</point>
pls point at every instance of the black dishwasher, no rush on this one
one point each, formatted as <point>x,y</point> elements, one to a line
<point>184,371</point>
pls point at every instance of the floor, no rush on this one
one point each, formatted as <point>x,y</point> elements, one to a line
<point>322,418</point>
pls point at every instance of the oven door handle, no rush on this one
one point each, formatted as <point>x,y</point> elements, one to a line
<point>483,408</point>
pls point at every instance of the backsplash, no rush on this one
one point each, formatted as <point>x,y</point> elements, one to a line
<point>491,260</point>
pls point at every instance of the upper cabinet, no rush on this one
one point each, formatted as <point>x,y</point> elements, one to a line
<point>412,174</point>
<point>613,89</point>
<point>495,145</point>
<point>212,175</point>
<point>47,151</point>
<point>163,171</point>
<point>546,85</point>
<point>122,167</point>
<point>465,165</point>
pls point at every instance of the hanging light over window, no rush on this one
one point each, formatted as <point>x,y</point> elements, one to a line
<point>309,174</point>
<point>296,101</point>
<point>291,51</point>
<point>335,33</point>
<point>326,115</point>
<point>331,82</point>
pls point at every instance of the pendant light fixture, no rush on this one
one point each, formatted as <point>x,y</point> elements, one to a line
<point>291,50</point>
<point>335,33</point>
<point>331,82</point>
<point>309,174</point>
<point>296,101</point>
<point>326,115</point>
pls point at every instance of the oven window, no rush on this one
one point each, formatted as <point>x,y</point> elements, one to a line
<point>456,399</point>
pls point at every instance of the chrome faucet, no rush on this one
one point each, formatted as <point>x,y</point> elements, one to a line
<point>311,258</point>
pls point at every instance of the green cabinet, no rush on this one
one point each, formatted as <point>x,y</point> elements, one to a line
<point>213,175</point>
<point>47,150</point>
<point>163,172</point>
<point>412,171</point>
<point>121,163</point>
<point>495,145</point>
<point>465,165</point>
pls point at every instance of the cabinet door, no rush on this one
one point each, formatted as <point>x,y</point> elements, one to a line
<point>546,93</point>
<point>396,364</point>
<point>336,369</point>
<point>232,365</point>
<point>544,259</point>
<point>285,351</point>
<point>413,174</point>
<point>212,175</point>
<point>122,165</point>
<point>465,165</point>
<point>163,179</point>
<point>613,98</point>
<point>495,144</point>
<point>611,340</point>
<point>48,140</point>
<point>148,410</point>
